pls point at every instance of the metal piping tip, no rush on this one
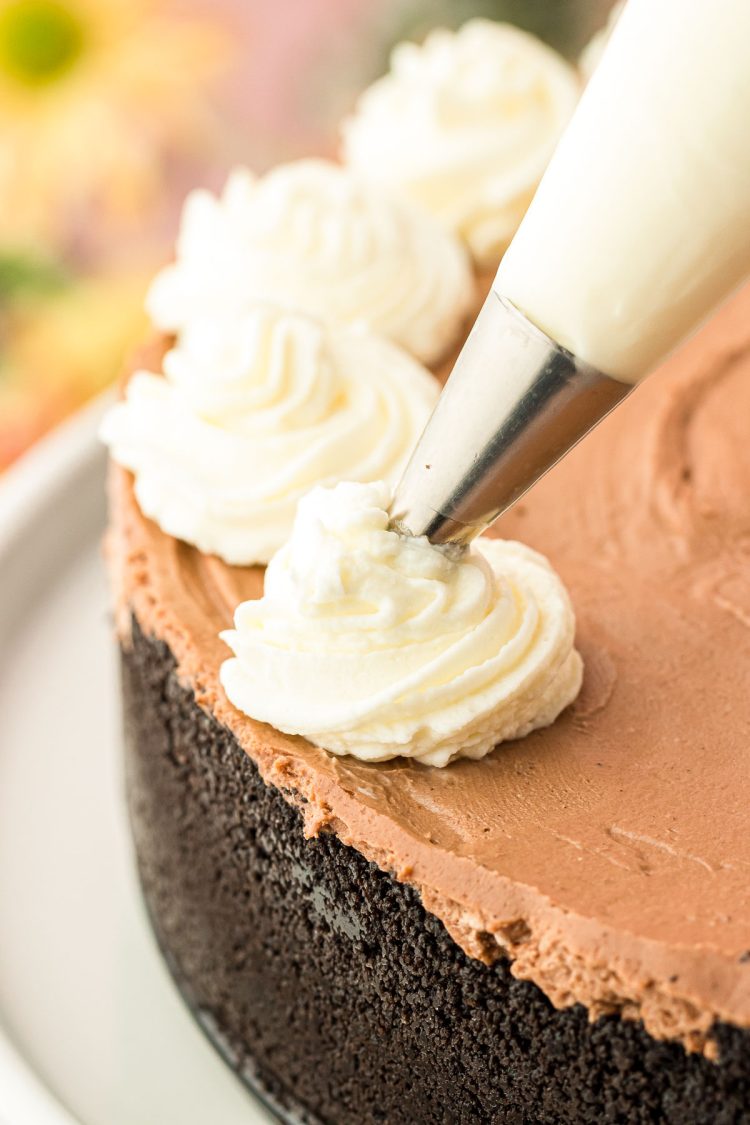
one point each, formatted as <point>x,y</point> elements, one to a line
<point>515,403</point>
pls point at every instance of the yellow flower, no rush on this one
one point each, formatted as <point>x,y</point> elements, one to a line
<point>94,94</point>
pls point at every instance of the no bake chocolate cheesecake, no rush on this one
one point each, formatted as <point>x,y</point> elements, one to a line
<point>552,930</point>
<point>559,932</point>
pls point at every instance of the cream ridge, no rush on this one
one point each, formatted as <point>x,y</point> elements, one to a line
<point>251,412</point>
<point>315,236</point>
<point>464,124</point>
<point>377,645</point>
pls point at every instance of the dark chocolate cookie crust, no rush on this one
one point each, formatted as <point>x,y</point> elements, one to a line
<point>327,985</point>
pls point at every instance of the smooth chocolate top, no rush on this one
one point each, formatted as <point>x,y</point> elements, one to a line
<point>608,855</point>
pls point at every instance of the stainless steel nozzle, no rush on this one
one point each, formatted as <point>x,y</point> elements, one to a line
<point>514,404</point>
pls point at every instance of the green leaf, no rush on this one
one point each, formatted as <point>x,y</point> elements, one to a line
<point>24,275</point>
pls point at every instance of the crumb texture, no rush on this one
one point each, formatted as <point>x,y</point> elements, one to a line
<point>326,983</point>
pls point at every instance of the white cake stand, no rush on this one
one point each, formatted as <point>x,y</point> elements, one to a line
<point>92,1030</point>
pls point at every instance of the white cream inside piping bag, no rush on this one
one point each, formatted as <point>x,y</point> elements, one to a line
<point>641,225</point>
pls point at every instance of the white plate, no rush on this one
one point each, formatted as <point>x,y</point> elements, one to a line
<point>92,1029</point>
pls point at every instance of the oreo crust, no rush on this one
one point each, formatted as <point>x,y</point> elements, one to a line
<point>331,991</point>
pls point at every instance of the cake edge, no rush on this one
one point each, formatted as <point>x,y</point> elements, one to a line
<point>572,959</point>
<point>274,937</point>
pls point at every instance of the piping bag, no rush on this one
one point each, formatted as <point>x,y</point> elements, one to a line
<point>638,230</point>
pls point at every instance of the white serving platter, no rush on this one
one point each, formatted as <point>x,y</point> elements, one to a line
<point>92,1030</point>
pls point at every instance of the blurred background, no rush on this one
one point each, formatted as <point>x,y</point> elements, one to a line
<point>110,110</point>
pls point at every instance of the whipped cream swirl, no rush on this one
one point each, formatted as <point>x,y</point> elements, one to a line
<point>376,645</point>
<point>312,235</point>
<point>251,413</point>
<point>465,125</point>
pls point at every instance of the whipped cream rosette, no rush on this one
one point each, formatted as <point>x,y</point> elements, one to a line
<point>315,236</point>
<point>464,124</point>
<point>374,644</point>
<point>254,410</point>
